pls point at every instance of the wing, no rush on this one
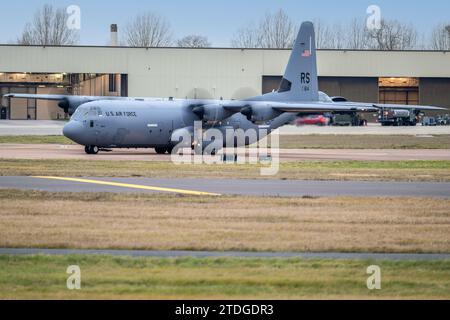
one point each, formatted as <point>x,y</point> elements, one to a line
<point>301,107</point>
<point>36,96</point>
<point>59,97</point>
<point>393,106</point>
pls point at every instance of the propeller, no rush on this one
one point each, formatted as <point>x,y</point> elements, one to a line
<point>199,111</point>
<point>248,112</point>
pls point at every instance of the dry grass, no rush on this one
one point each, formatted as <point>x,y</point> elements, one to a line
<point>302,170</point>
<point>163,222</point>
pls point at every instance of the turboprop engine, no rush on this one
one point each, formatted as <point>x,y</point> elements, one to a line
<point>212,112</point>
<point>259,113</point>
<point>71,103</point>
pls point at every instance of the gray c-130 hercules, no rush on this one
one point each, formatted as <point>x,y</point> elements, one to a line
<point>115,122</point>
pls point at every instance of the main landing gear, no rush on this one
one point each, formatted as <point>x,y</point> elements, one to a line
<point>91,149</point>
<point>164,150</point>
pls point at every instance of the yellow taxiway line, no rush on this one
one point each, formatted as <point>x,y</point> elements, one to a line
<point>132,186</point>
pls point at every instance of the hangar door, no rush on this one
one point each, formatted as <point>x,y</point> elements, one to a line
<point>399,90</point>
<point>435,92</point>
<point>361,89</point>
<point>18,109</point>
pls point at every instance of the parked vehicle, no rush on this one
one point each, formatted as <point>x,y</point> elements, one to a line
<point>429,121</point>
<point>318,120</point>
<point>348,119</point>
<point>398,117</point>
<point>443,120</point>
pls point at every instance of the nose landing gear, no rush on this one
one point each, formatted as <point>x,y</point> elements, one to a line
<point>91,149</point>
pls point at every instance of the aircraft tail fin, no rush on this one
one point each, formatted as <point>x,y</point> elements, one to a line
<point>300,82</point>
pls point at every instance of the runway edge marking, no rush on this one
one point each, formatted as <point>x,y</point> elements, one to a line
<point>132,186</point>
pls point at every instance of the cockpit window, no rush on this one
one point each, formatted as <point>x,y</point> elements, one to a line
<point>82,113</point>
<point>78,115</point>
<point>95,111</point>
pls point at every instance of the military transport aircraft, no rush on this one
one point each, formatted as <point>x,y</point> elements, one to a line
<point>114,122</point>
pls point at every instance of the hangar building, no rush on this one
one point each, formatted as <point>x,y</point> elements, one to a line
<point>406,77</point>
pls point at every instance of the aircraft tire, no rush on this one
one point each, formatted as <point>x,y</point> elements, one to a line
<point>91,149</point>
<point>161,150</point>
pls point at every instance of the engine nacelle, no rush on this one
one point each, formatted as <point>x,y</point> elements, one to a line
<point>70,104</point>
<point>260,113</point>
<point>212,113</point>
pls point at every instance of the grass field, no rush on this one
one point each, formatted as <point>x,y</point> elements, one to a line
<point>35,140</point>
<point>301,141</point>
<point>167,222</point>
<point>301,170</point>
<point>364,142</point>
<point>104,277</point>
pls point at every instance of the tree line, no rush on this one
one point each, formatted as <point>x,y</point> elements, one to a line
<point>274,30</point>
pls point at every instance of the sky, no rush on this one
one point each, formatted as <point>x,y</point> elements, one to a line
<point>218,19</point>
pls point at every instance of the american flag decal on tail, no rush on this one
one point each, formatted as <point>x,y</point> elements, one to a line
<point>308,52</point>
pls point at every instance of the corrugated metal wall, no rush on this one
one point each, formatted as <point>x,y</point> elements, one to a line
<point>435,92</point>
<point>355,89</point>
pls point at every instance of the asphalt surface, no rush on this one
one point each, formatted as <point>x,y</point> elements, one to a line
<point>231,254</point>
<point>45,127</point>
<point>282,188</point>
<point>31,128</point>
<point>75,152</point>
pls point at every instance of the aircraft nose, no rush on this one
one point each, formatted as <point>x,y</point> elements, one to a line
<point>72,130</point>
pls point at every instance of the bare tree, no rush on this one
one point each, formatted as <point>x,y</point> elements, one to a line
<point>194,41</point>
<point>278,30</point>
<point>148,30</point>
<point>357,35</point>
<point>49,27</point>
<point>247,37</point>
<point>440,38</point>
<point>322,35</point>
<point>393,35</point>
<point>273,31</point>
